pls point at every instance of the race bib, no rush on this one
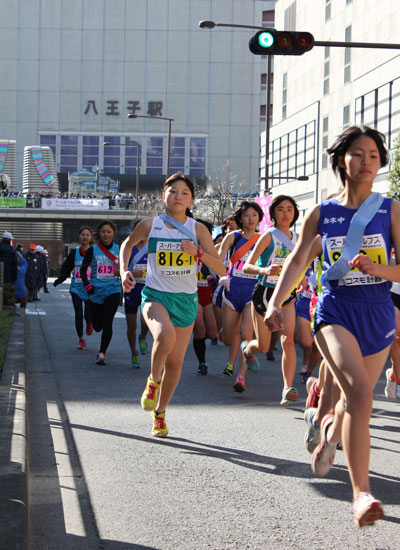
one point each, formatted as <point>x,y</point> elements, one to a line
<point>105,270</point>
<point>171,261</point>
<point>372,245</point>
<point>77,274</point>
<point>238,268</point>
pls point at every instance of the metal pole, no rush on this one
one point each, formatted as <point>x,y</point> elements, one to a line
<point>169,145</point>
<point>137,175</point>
<point>267,126</point>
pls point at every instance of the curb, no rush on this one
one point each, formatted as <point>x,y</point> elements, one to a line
<point>13,434</point>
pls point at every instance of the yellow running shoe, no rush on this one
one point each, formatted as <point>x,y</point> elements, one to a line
<point>159,426</point>
<point>149,396</point>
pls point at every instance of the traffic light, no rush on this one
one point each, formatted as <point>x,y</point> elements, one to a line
<point>273,42</point>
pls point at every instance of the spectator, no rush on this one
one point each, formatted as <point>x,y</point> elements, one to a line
<point>9,257</point>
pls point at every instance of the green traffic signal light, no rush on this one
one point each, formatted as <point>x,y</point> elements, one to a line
<point>273,42</point>
<point>265,39</point>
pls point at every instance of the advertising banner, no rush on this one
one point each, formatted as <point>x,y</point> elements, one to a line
<point>13,202</point>
<point>75,204</point>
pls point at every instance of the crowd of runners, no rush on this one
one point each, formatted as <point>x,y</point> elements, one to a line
<point>329,289</point>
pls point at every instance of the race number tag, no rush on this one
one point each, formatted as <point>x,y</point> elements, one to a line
<point>77,274</point>
<point>105,270</point>
<point>238,268</point>
<point>171,261</point>
<point>372,245</point>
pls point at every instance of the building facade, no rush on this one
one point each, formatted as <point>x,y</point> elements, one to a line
<point>72,70</point>
<point>329,88</point>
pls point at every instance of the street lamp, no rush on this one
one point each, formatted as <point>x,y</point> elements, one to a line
<point>170,120</point>
<point>138,148</point>
<point>210,25</point>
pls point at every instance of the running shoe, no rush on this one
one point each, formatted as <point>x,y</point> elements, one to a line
<point>270,356</point>
<point>159,426</point>
<point>82,344</point>
<point>89,328</point>
<point>397,390</point>
<point>313,433</point>
<point>313,393</point>
<point>149,396</point>
<point>239,385</point>
<point>202,369</point>
<point>250,360</point>
<point>289,396</point>
<point>143,346</point>
<point>324,454</point>
<point>135,361</point>
<point>367,510</point>
<point>100,360</point>
<point>228,369</point>
<point>390,388</point>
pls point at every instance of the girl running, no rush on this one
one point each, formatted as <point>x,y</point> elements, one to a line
<point>239,287</point>
<point>354,318</point>
<point>138,265</point>
<point>79,297</point>
<point>169,297</point>
<point>104,287</point>
<point>265,263</point>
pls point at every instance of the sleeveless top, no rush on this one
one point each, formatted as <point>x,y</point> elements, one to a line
<point>376,243</point>
<point>103,276</point>
<point>76,282</point>
<point>169,269</point>
<point>236,274</point>
<point>275,254</point>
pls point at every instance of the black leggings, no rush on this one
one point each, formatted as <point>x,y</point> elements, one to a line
<point>103,316</point>
<point>77,303</point>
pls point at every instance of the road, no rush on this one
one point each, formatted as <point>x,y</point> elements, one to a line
<point>233,474</point>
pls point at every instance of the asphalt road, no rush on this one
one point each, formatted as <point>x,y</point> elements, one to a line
<point>233,474</point>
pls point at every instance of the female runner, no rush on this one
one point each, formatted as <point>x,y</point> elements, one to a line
<point>104,287</point>
<point>73,264</point>
<point>169,298</point>
<point>265,262</point>
<point>236,298</point>
<point>354,318</point>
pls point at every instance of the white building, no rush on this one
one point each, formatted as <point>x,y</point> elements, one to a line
<point>327,89</point>
<point>72,70</point>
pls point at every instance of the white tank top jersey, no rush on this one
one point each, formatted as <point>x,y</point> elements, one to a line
<point>169,269</point>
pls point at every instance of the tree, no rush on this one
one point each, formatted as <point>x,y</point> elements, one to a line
<point>394,176</point>
<point>221,197</point>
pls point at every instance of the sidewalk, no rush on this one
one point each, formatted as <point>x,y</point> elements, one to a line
<point>13,466</point>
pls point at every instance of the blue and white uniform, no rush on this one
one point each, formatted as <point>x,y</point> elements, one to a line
<point>134,297</point>
<point>241,285</point>
<point>103,276</point>
<point>360,303</point>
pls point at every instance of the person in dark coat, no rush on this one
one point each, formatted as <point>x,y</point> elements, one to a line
<point>9,257</point>
<point>32,276</point>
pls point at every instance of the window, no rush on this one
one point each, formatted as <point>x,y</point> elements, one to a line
<point>325,128</point>
<point>90,152</point>
<point>326,70</point>
<point>328,12</point>
<point>177,156</point>
<point>131,155</point>
<point>284,96</point>
<point>154,155</point>
<point>49,141</point>
<point>112,161</point>
<point>197,159</point>
<point>69,154</point>
<point>347,56</point>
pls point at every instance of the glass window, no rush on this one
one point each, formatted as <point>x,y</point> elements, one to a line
<point>49,141</point>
